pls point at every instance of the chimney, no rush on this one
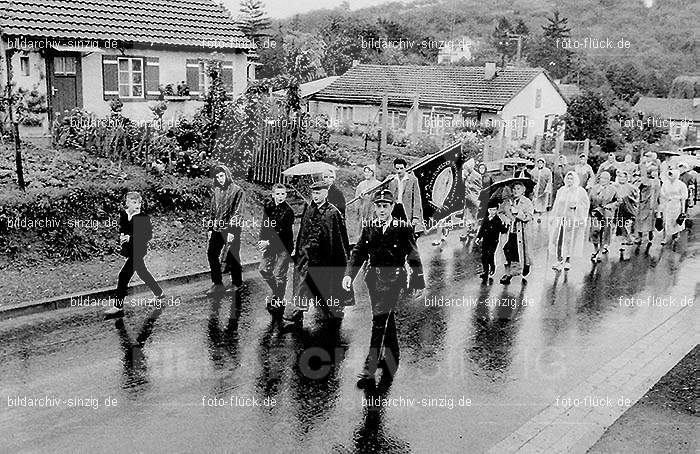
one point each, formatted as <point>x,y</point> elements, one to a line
<point>355,63</point>
<point>489,70</point>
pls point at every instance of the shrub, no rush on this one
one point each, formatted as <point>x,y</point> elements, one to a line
<point>424,145</point>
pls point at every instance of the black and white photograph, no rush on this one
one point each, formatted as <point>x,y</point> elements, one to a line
<point>349,226</point>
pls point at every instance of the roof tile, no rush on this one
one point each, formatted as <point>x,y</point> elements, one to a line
<point>173,22</point>
<point>435,85</point>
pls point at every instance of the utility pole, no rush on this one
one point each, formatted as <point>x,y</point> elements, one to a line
<point>519,39</point>
<point>13,123</point>
<point>384,131</point>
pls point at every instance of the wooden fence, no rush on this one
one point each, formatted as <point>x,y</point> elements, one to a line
<point>278,150</point>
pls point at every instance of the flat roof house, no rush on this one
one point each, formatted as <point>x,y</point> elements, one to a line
<point>85,53</point>
<point>521,102</point>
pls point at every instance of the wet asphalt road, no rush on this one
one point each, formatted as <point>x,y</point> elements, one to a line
<point>475,372</point>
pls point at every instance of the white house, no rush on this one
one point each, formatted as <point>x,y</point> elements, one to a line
<point>86,53</point>
<point>454,51</point>
<point>520,102</point>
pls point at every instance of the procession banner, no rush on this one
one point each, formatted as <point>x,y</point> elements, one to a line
<point>440,179</point>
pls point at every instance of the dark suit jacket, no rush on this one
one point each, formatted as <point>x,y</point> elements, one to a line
<point>277,224</point>
<point>387,254</point>
<point>140,230</point>
<point>336,197</point>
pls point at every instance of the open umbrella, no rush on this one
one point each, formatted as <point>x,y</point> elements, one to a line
<point>692,161</point>
<point>308,168</point>
<point>501,189</point>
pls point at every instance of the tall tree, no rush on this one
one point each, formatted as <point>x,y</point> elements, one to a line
<point>548,50</point>
<point>556,27</point>
<point>272,59</point>
<point>505,47</point>
<point>587,117</point>
<point>254,21</point>
<point>624,80</point>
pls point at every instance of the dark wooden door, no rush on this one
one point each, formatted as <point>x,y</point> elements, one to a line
<point>64,84</point>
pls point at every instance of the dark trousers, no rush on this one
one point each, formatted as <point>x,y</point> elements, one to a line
<point>273,269</point>
<point>383,343</point>
<point>233,259</point>
<point>488,255</point>
<point>135,264</point>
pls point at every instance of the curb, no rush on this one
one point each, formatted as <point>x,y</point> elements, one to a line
<point>61,302</point>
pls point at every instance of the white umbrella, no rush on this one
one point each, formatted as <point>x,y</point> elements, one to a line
<point>308,168</point>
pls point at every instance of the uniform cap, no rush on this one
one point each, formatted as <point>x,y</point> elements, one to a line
<point>383,195</point>
<point>319,185</point>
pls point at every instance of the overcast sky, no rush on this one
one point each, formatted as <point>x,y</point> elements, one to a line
<point>286,8</point>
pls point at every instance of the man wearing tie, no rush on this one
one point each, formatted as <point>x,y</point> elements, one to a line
<point>387,244</point>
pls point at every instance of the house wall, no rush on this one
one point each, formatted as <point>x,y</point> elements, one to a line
<point>172,66</point>
<point>172,71</point>
<point>35,81</point>
<point>524,104</point>
<point>37,72</point>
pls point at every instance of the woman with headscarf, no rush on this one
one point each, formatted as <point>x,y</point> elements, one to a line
<point>674,194</point>
<point>559,172</point>
<point>365,207</point>
<point>603,207</point>
<point>649,189</point>
<point>628,196</point>
<point>542,177</point>
<point>569,214</point>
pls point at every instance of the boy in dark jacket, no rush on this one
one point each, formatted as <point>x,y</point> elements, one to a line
<point>135,231</point>
<point>276,244</point>
<point>225,227</point>
<point>489,234</point>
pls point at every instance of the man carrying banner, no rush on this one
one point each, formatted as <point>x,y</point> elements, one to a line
<point>406,190</point>
<point>387,244</point>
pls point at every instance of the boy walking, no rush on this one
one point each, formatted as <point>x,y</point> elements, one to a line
<point>276,244</point>
<point>489,234</point>
<point>225,227</point>
<point>135,231</point>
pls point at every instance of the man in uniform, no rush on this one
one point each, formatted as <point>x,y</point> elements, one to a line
<point>321,253</point>
<point>387,244</point>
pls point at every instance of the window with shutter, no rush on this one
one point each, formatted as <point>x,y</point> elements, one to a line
<point>227,76</point>
<point>152,78</point>
<point>192,72</point>
<point>110,77</point>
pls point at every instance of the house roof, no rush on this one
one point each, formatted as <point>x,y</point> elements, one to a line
<point>195,23</point>
<point>458,86</point>
<point>569,90</point>
<point>673,108</point>
<point>309,88</point>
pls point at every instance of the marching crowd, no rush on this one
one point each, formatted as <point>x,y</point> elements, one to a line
<point>620,198</point>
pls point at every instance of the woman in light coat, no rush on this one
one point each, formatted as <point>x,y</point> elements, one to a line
<point>568,228</point>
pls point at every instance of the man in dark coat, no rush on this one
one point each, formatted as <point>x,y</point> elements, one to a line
<point>276,244</point>
<point>492,226</point>
<point>387,244</point>
<point>225,226</point>
<point>320,256</point>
